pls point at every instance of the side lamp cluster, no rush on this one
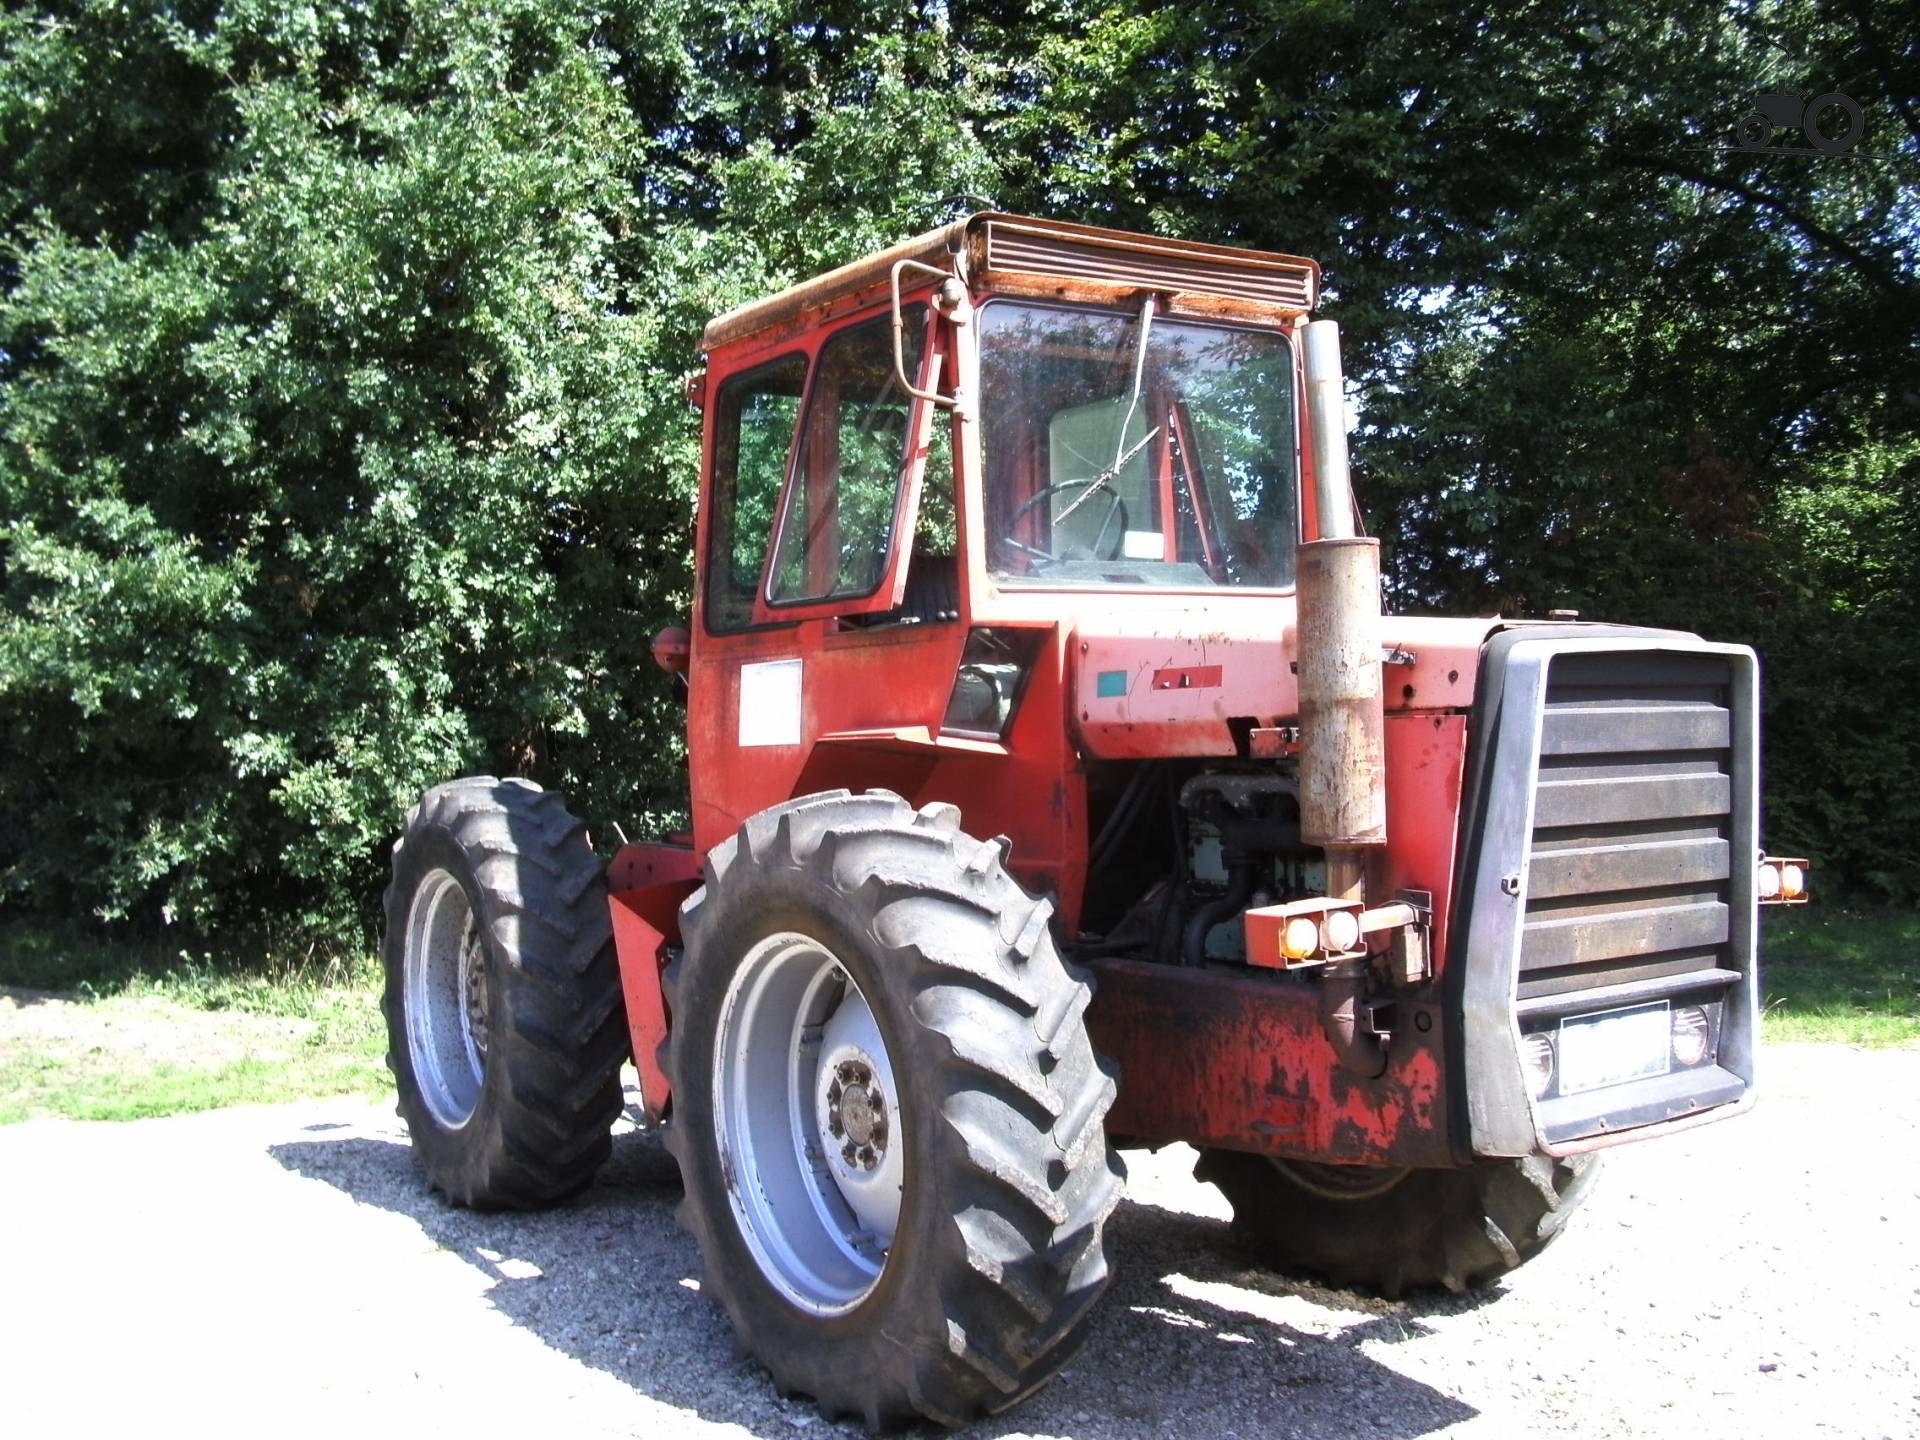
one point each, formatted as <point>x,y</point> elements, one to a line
<point>1782,882</point>
<point>1319,931</point>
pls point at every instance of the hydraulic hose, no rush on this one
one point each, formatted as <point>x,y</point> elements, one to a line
<point>1193,949</point>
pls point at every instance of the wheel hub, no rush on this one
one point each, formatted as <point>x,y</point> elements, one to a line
<point>857,1114</point>
<point>473,988</point>
<point>447,1003</point>
<point>1341,1182</point>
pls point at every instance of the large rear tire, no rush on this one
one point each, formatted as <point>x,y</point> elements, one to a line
<point>505,1026</point>
<point>887,1112</point>
<point>1391,1230</point>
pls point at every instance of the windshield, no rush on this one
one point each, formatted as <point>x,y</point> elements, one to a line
<point>1113,463</point>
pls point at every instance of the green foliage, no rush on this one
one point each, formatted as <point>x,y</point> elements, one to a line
<point>1844,976</point>
<point>342,441</point>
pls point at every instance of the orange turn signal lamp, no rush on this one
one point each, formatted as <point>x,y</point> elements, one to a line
<point>1305,932</point>
<point>1781,881</point>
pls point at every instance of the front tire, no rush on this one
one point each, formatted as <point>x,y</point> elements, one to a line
<point>1391,1230</point>
<point>887,1113</point>
<point>505,1026</point>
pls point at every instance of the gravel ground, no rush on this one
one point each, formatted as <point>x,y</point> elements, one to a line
<point>282,1270</point>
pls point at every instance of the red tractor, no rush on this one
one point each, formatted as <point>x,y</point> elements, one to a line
<point>1058,786</point>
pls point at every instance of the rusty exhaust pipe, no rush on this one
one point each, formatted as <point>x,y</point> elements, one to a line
<point>1343,800</point>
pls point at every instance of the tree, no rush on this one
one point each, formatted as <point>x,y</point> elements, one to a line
<point>342,349</point>
<point>342,444</point>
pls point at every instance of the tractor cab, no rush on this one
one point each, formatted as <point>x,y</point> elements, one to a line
<point>927,472</point>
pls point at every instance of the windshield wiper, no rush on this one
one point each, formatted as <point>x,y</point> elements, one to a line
<point>1108,475</point>
<point>1121,453</point>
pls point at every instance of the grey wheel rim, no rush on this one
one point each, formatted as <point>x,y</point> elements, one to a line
<point>447,1000</point>
<point>807,1120</point>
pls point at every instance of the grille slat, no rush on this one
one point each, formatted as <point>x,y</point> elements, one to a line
<point>1591,868</point>
<point>1616,798</point>
<point>1622,935</point>
<point>1591,729</point>
<point>1631,992</point>
<point>1629,861</point>
<point>1578,980</point>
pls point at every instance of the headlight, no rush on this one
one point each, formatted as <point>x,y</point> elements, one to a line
<point>1692,1031</point>
<point>1536,1058</point>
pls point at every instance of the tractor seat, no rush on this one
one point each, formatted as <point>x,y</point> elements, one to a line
<point>933,591</point>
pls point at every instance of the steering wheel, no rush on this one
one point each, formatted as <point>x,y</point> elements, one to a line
<point>1116,510</point>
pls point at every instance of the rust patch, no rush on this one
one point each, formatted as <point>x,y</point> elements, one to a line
<point>1242,1061</point>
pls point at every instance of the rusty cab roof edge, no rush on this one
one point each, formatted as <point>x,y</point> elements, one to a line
<point>1083,261</point>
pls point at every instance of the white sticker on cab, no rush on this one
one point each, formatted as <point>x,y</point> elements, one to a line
<point>770,703</point>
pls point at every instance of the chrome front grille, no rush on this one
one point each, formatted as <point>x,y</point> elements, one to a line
<point>1631,850</point>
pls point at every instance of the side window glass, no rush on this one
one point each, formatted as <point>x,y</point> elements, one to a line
<point>937,528</point>
<point>753,435</point>
<point>837,534</point>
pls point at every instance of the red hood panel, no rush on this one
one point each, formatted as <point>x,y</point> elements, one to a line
<point>1143,689</point>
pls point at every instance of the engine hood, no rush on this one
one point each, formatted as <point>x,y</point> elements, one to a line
<point>1147,687</point>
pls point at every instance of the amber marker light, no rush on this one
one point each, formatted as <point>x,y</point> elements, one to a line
<point>1300,938</point>
<point>1781,880</point>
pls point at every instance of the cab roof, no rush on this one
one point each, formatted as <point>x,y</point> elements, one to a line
<point>1017,254</point>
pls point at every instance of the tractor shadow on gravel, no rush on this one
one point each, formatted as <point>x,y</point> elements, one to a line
<point>1186,1341</point>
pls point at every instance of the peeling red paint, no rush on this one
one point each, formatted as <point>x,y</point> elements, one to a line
<point>1240,1061</point>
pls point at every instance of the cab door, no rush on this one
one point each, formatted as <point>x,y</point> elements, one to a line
<point>826,606</point>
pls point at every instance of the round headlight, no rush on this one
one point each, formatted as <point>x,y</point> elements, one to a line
<point>1300,939</point>
<point>1340,930</point>
<point>1691,1032</point>
<point>1536,1058</point>
<point>1769,879</point>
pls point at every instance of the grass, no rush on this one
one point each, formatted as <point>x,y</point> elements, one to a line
<point>1849,977</point>
<point>117,1031</point>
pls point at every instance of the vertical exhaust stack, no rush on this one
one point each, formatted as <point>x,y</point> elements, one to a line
<point>1343,800</point>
